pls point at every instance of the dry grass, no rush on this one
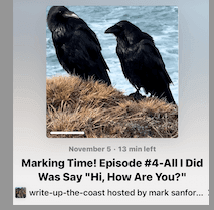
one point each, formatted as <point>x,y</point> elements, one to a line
<point>102,111</point>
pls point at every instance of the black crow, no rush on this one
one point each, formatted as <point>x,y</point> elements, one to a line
<point>77,47</point>
<point>141,61</point>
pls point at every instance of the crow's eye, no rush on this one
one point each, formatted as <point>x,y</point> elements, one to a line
<point>60,11</point>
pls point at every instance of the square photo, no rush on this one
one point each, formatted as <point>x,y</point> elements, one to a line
<point>112,72</point>
<point>20,192</point>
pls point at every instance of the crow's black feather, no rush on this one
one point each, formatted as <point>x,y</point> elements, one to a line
<point>77,47</point>
<point>141,61</point>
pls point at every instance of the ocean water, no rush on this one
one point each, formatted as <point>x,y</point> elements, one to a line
<point>161,22</point>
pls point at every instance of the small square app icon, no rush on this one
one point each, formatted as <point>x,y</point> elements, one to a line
<point>20,192</point>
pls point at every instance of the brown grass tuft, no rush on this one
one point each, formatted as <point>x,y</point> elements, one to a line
<point>102,111</point>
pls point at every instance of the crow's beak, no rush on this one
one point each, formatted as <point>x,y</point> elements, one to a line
<point>68,14</point>
<point>113,30</point>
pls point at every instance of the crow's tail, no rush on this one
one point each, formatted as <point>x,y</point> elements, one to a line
<point>167,94</point>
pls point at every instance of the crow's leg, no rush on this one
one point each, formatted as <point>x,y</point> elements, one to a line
<point>137,96</point>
